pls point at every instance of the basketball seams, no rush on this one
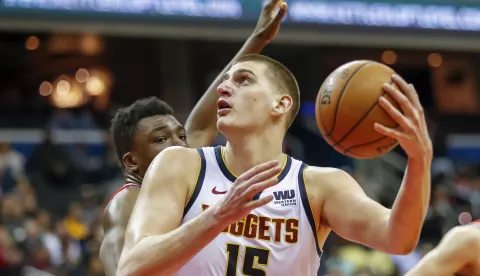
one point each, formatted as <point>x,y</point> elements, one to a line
<point>355,125</point>
<point>360,120</point>
<point>365,144</point>
<point>342,92</point>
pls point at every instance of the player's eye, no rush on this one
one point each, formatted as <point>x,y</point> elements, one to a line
<point>244,81</point>
<point>183,137</point>
<point>160,140</point>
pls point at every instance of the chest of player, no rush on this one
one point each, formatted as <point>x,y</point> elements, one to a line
<point>276,222</point>
<point>275,238</point>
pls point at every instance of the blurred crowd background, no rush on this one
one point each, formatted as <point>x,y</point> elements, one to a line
<point>66,67</point>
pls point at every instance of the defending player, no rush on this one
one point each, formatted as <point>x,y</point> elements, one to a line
<point>213,223</point>
<point>148,126</point>
<point>457,254</point>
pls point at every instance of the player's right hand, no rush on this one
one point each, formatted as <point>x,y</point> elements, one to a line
<point>238,202</point>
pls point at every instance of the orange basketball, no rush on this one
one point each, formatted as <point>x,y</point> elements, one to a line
<point>347,107</point>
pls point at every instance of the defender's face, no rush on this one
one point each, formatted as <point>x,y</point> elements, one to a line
<point>246,97</point>
<point>153,135</point>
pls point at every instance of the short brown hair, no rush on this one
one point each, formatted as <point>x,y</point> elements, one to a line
<point>284,79</point>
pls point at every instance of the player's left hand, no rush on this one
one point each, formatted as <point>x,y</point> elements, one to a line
<point>268,24</point>
<point>412,133</point>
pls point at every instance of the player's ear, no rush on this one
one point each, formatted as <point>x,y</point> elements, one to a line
<point>282,105</point>
<point>130,163</point>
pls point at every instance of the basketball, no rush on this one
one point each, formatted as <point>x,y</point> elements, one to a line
<point>347,108</point>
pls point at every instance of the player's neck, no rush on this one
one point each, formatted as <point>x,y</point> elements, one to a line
<point>244,153</point>
<point>132,178</point>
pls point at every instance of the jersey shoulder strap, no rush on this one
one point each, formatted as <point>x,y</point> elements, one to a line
<point>124,187</point>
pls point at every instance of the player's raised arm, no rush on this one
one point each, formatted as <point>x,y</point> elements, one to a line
<point>201,123</point>
<point>352,215</point>
<point>155,243</point>
<point>115,223</point>
<point>457,252</point>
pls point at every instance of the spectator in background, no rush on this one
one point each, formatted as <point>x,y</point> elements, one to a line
<point>53,176</point>
<point>475,197</point>
<point>22,188</point>
<point>111,170</point>
<point>443,208</point>
<point>11,167</point>
<point>74,225</point>
<point>50,164</point>
<point>95,267</point>
<point>10,256</point>
<point>30,205</point>
<point>89,205</point>
<point>50,240</point>
<point>13,217</point>
<point>36,252</point>
<point>71,250</point>
<point>86,165</point>
<point>337,266</point>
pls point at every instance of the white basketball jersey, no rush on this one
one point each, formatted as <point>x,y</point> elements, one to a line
<point>276,239</point>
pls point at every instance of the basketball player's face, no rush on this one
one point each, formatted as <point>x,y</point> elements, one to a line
<point>153,135</point>
<point>246,97</point>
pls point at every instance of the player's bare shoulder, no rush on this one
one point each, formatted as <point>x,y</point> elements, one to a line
<point>120,207</point>
<point>176,159</point>
<point>182,162</point>
<point>325,180</point>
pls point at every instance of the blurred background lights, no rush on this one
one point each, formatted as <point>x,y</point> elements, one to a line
<point>82,75</point>
<point>32,43</point>
<point>95,86</point>
<point>63,87</point>
<point>45,88</point>
<point>435,60</point>
<point>389,57</point>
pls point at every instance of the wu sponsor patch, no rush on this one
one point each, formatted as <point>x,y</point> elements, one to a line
<point>284,198</point>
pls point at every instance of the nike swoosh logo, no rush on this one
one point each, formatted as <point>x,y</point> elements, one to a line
<point>215,192</point>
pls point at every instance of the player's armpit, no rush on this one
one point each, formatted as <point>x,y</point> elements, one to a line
<point>347,210</point>
<point>154,242</point>
<point>115,220</point>
<point>459,249</point>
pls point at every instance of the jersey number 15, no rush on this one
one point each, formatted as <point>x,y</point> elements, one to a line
<point>253,258</point>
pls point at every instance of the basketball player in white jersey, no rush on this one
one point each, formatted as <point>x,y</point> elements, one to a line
<point>457,254</point>
<point>146,127</point>
<point>195,217</point>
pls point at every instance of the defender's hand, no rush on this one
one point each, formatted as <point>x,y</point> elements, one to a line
<point>238,202</point>
<point>269,22</point>
<point>412,135</point>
